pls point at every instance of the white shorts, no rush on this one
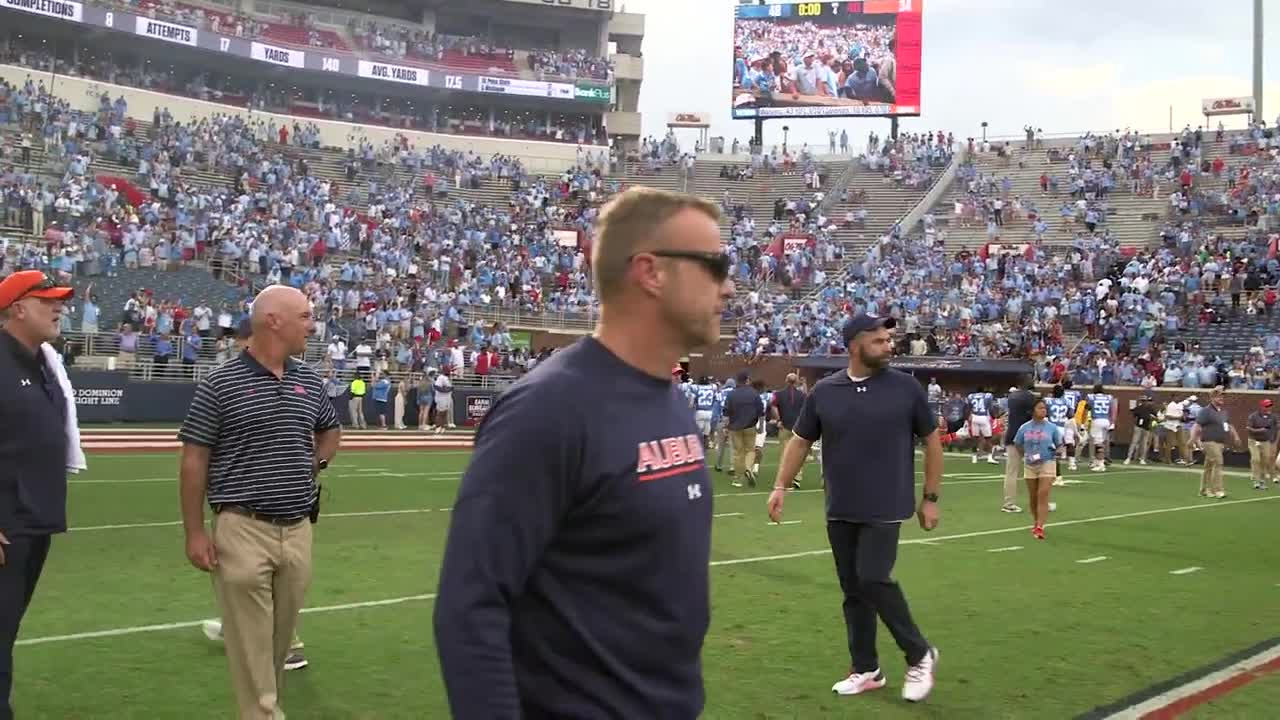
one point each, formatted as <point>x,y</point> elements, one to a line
<point>444,404</point>
<point>1098,429</point>
<point>980,426</point>
<point>703,419</point>
<point>1069,433</point>
<point>760,438</point>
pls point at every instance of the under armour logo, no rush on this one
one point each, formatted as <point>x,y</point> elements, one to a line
<point>862,389</point>
<point>26,383</point>
<point>695,492</point>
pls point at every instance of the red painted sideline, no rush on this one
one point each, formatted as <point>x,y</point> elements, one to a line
<point>1184,705</point>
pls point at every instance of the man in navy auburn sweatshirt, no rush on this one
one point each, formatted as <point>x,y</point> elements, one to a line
<point>575,577</point>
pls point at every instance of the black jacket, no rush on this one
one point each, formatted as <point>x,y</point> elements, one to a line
<point>33,444</point>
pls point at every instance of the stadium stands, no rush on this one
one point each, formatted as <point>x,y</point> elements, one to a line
<point>845,253</point>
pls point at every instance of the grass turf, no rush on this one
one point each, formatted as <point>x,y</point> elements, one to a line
<point>1023,633</point>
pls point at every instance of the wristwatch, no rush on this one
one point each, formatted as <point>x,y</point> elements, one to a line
<point>931,497</point>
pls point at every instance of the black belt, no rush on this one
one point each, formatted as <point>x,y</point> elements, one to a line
<point>272,519</point>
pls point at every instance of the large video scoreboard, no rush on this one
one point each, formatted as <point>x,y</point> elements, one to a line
<point>825,59</point>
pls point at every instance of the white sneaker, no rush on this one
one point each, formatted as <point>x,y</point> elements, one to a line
<point>859,683</point>
<point>1010,508</point>
<point>1127,461</point>
<point>1059,482</point>
<point>1053,507</point>
<point>212,630</point>
<point>974,459</point>
<point>919,680</point>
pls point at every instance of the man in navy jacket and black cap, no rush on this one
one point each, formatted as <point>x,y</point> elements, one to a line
<point>869,417</point>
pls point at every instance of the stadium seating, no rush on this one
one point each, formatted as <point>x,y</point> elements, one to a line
<point>1133,220</point>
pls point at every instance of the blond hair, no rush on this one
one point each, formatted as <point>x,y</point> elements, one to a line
<point>626,223</point>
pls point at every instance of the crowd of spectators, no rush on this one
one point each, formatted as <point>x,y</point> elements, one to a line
<point>1087,308</point>
<point>402,257</point>
<point>405,255</point>
<point>854,61</point>
<point>361,107</point>
<point>417,43</point>
<point>577,63</point>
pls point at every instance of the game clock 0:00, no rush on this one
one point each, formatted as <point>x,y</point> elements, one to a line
<point>587,4</point>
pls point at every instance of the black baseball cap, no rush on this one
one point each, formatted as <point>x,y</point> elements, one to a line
<point>865,323</point>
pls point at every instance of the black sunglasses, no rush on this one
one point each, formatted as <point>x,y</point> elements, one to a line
<point>716,263</point>
<point>47,283</point>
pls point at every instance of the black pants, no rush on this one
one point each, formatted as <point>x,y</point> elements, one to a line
<point>23,560</point>
<point>865,554</point>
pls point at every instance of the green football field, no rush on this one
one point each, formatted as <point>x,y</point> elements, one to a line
<point>1026,629</point>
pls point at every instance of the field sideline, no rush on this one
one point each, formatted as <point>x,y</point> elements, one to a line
<point>1104,609</point>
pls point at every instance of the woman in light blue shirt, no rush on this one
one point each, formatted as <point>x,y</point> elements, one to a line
<point>1039,441</point>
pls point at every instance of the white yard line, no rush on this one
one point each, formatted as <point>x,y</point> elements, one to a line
<point>114,632</point>
<point>1197,686</point>
<point>1090,560</point>
<point>724,515</point>
<point>1011,548</point>
<point>1186,570</point>
<point>435,477</point>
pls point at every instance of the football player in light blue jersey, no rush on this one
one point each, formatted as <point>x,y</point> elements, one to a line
<point>1102,418</point>
<point>1076,436</point>
<point>1060,414</point>
<point>721,427</point>
<point>706,396</point>
<point>981,405</point>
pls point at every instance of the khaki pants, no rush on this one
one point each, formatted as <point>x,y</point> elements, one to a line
<point>356,406</point>
<point>784,437</point>
<point>1180,439</point>
<point>1211,478</point>
<point>1012,474</point>
<point>744,443</point>
<point>1139,444</point>
<point>262,576</point>
<point>1262,455</point>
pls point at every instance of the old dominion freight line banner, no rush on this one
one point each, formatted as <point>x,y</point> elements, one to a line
<point>114,397</point>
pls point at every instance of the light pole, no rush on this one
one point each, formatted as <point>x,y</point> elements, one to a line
<point>785,131</point>
<point>1257,61</point>
<point>984,131</point>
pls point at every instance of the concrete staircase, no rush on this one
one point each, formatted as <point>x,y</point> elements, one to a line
<point>1133,220</point>
<point>885,202</point>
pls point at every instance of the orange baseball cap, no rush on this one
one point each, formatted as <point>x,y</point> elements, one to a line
<point>31,283</point>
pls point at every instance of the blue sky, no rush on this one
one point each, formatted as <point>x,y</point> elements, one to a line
<point>1060,65</point>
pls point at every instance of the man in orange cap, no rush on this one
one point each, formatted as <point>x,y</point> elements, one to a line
<point>33,449</point>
